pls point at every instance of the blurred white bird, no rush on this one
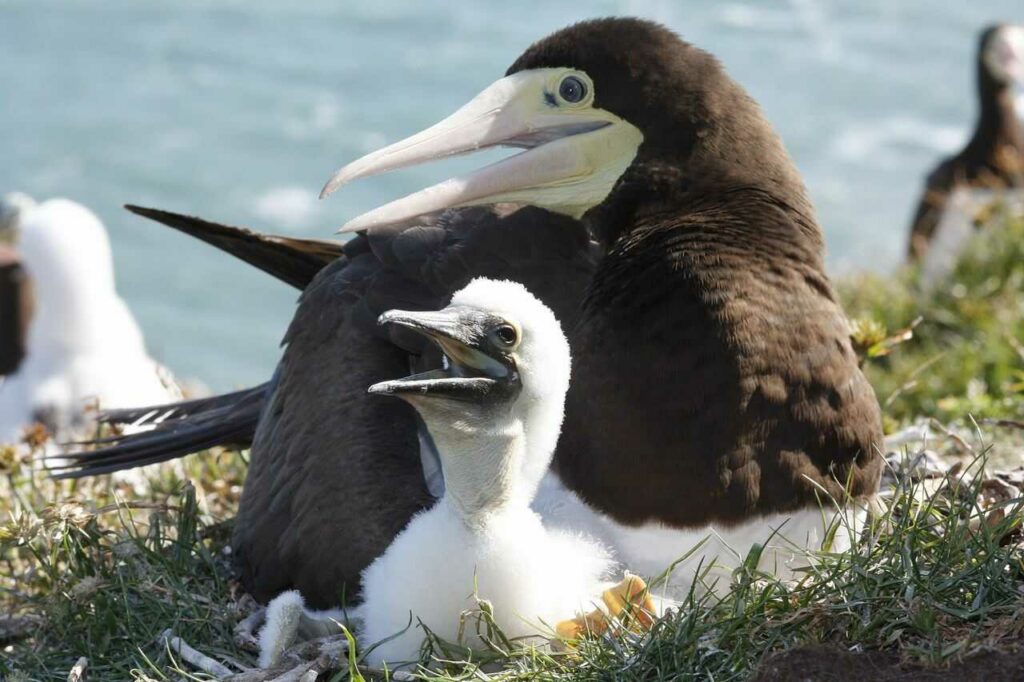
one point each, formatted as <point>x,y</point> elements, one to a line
<point>83,344</point>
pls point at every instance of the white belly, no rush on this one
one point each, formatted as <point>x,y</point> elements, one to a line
<point>789,541</point>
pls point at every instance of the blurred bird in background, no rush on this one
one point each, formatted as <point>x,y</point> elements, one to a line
<point>81,345</point>
<point>989,167</point>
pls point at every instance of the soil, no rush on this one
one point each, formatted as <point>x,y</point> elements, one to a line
<point>828,664</point>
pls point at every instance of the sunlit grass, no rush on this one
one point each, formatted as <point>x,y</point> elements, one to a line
<point>966,354</point>
<point>101,568</point>
<point>937,576</point>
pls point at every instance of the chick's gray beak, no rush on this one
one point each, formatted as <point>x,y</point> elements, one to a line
<point>471,373</point>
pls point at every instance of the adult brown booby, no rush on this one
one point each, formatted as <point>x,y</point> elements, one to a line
<point>714,383</point>
<point>994,156</point>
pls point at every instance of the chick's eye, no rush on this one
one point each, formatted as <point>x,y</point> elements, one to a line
<point>572,89</point>
<point>506,333</point>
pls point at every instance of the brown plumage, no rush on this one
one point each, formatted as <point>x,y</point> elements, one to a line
<point>992,159</point>
<point>713,367</point>
<point>713,376</point>
<point>15,305</point>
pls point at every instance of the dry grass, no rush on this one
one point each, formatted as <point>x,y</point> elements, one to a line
<point>101,568</point>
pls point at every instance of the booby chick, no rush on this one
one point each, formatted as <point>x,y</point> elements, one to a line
<point>715,389</point>
<point>992,160</point>
<point>83,344</point>
<point>494,413</point>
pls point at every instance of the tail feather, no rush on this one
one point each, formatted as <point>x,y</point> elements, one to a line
<point>293,261</point>
<point>226,420</point>
<point>158,414</point>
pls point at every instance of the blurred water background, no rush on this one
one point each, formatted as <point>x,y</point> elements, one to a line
<point>239,111</point>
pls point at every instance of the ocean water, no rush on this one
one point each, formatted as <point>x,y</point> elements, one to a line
<point>239,111</point>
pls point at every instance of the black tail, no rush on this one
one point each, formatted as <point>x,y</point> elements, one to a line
<point>293,261</point>
<point>178,429</point>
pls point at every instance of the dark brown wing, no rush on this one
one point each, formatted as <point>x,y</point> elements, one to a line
<point>293,261</point>
<point>335,473</point>
<point>721,384</point>
<point>14,311</point>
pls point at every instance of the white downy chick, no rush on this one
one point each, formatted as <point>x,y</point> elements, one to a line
<point>494,413</point>
<point>83,344</point>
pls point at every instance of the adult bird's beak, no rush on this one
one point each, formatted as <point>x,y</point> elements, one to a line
<point>574,154</point>
<point>470,373</point>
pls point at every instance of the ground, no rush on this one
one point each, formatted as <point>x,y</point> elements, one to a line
<point>934,591</point>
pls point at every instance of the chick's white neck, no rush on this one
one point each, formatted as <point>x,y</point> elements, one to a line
<point>480,456</point>
<point>493,457</point>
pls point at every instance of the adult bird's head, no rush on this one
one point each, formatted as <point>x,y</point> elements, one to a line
<point>505,373</point>
<point>616,113</point>
<point>1001,55</point>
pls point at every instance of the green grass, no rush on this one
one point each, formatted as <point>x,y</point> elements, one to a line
<point>105,568</point>
<point>932,579</point>
<point>966,354</point>
<point>108,569</point>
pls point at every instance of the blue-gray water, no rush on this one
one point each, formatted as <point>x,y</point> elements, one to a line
<point>238,111</point>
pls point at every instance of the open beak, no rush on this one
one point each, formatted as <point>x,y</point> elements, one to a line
<point>574,154</point>
<point>469,374</point>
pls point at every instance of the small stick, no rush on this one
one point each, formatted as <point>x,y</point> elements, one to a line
<point>1007,423</point>
<point>77,673</point>
<point>395,675</point>
<point>301,673</point>
<point>245,631</point>
<point>194,658</point>
<point>958,440</point>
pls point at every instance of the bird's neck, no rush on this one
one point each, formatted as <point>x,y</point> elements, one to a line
<point>762,218</point>
<point>998,131</point>
<point>741,160</point>
<point>481,460</point>
<point>545,419</point>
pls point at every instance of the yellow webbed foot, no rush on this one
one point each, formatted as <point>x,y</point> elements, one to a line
<point>627,602</point>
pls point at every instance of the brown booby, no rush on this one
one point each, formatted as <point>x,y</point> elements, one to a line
<point>993,158</point>
<point>714,384</point>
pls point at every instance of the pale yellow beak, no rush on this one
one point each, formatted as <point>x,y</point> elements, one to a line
<point>574,154</point>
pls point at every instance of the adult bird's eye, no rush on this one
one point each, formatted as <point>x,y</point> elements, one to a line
<point>572,89</point>
<point>506,333</point>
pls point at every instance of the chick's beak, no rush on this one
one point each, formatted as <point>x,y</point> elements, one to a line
<point>471,373</point>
